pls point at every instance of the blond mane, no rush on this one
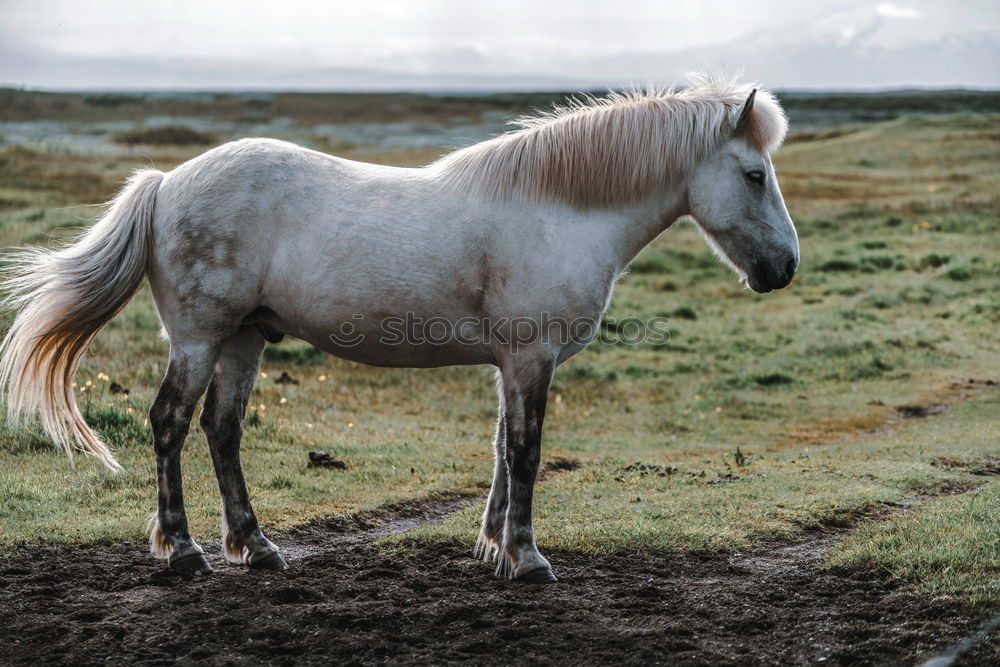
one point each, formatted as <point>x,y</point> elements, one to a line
<point>613,150</point>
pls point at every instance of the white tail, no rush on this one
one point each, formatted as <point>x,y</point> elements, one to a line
<point>63,298</point>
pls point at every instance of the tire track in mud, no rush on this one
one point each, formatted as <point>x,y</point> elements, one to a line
<point>321,535</point>
<point>325,534</point>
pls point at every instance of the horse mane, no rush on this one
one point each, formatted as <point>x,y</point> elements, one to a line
<point>613,150</point>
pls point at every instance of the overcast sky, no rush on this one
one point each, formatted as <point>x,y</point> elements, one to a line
<point>355,30</point>
<point>498,35</point>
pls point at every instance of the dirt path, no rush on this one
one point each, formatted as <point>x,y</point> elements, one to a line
<point>883,418</point>
<point>343,602</point>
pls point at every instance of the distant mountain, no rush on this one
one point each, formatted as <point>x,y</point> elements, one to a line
<point>951,61</point>
<point>861,47</point>
<point>864,46</point>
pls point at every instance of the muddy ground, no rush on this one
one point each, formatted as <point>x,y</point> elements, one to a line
<point>344,602</point>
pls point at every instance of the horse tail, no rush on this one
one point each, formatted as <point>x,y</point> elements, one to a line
<point>63,298</point>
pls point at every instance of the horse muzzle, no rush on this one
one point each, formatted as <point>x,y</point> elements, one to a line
<point>765,277</point>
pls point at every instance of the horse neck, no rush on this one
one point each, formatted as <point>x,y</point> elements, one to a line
<point>635,227</point>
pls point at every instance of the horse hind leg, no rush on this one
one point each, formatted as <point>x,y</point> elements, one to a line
<point>188,373</point>
<point>222,421</point>
<point>491,532</point>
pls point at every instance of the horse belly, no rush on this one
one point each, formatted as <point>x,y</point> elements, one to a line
<point>405,340</point>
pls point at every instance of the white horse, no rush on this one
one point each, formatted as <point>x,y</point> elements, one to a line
<point>260,238</point>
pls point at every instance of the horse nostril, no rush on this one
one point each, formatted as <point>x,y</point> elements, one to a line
<point>790,269</point>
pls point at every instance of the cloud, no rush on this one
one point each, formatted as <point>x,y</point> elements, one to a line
<point>894,11</point>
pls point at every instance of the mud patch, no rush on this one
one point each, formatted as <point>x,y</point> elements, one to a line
<point>555,466</point>
<point>947,487</point>
<point>919,411</point>
<point>321,459</point>
<point>985,467</point>
<point>349,603</point>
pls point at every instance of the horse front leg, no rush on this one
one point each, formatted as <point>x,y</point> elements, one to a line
<point>526,379</point>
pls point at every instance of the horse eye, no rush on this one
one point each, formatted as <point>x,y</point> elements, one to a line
<point>755,176</point>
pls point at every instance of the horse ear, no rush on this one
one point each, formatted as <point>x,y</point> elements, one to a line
<point>741,122</point>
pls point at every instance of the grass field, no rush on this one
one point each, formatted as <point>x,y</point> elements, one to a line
<point>762,415</point>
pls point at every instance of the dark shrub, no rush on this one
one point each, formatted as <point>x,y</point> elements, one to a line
<point>166,135</point>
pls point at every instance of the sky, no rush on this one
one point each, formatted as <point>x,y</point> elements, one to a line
<point>561,39</point>
<point>350,32</point>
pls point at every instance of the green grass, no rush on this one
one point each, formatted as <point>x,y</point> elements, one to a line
<point>771,408</point>
<point>948,548</point>
<point>717,498</point>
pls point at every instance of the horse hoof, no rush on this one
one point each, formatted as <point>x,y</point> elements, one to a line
<point>540,575</point>
<point>272,561</point>
<point>191,565</point>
